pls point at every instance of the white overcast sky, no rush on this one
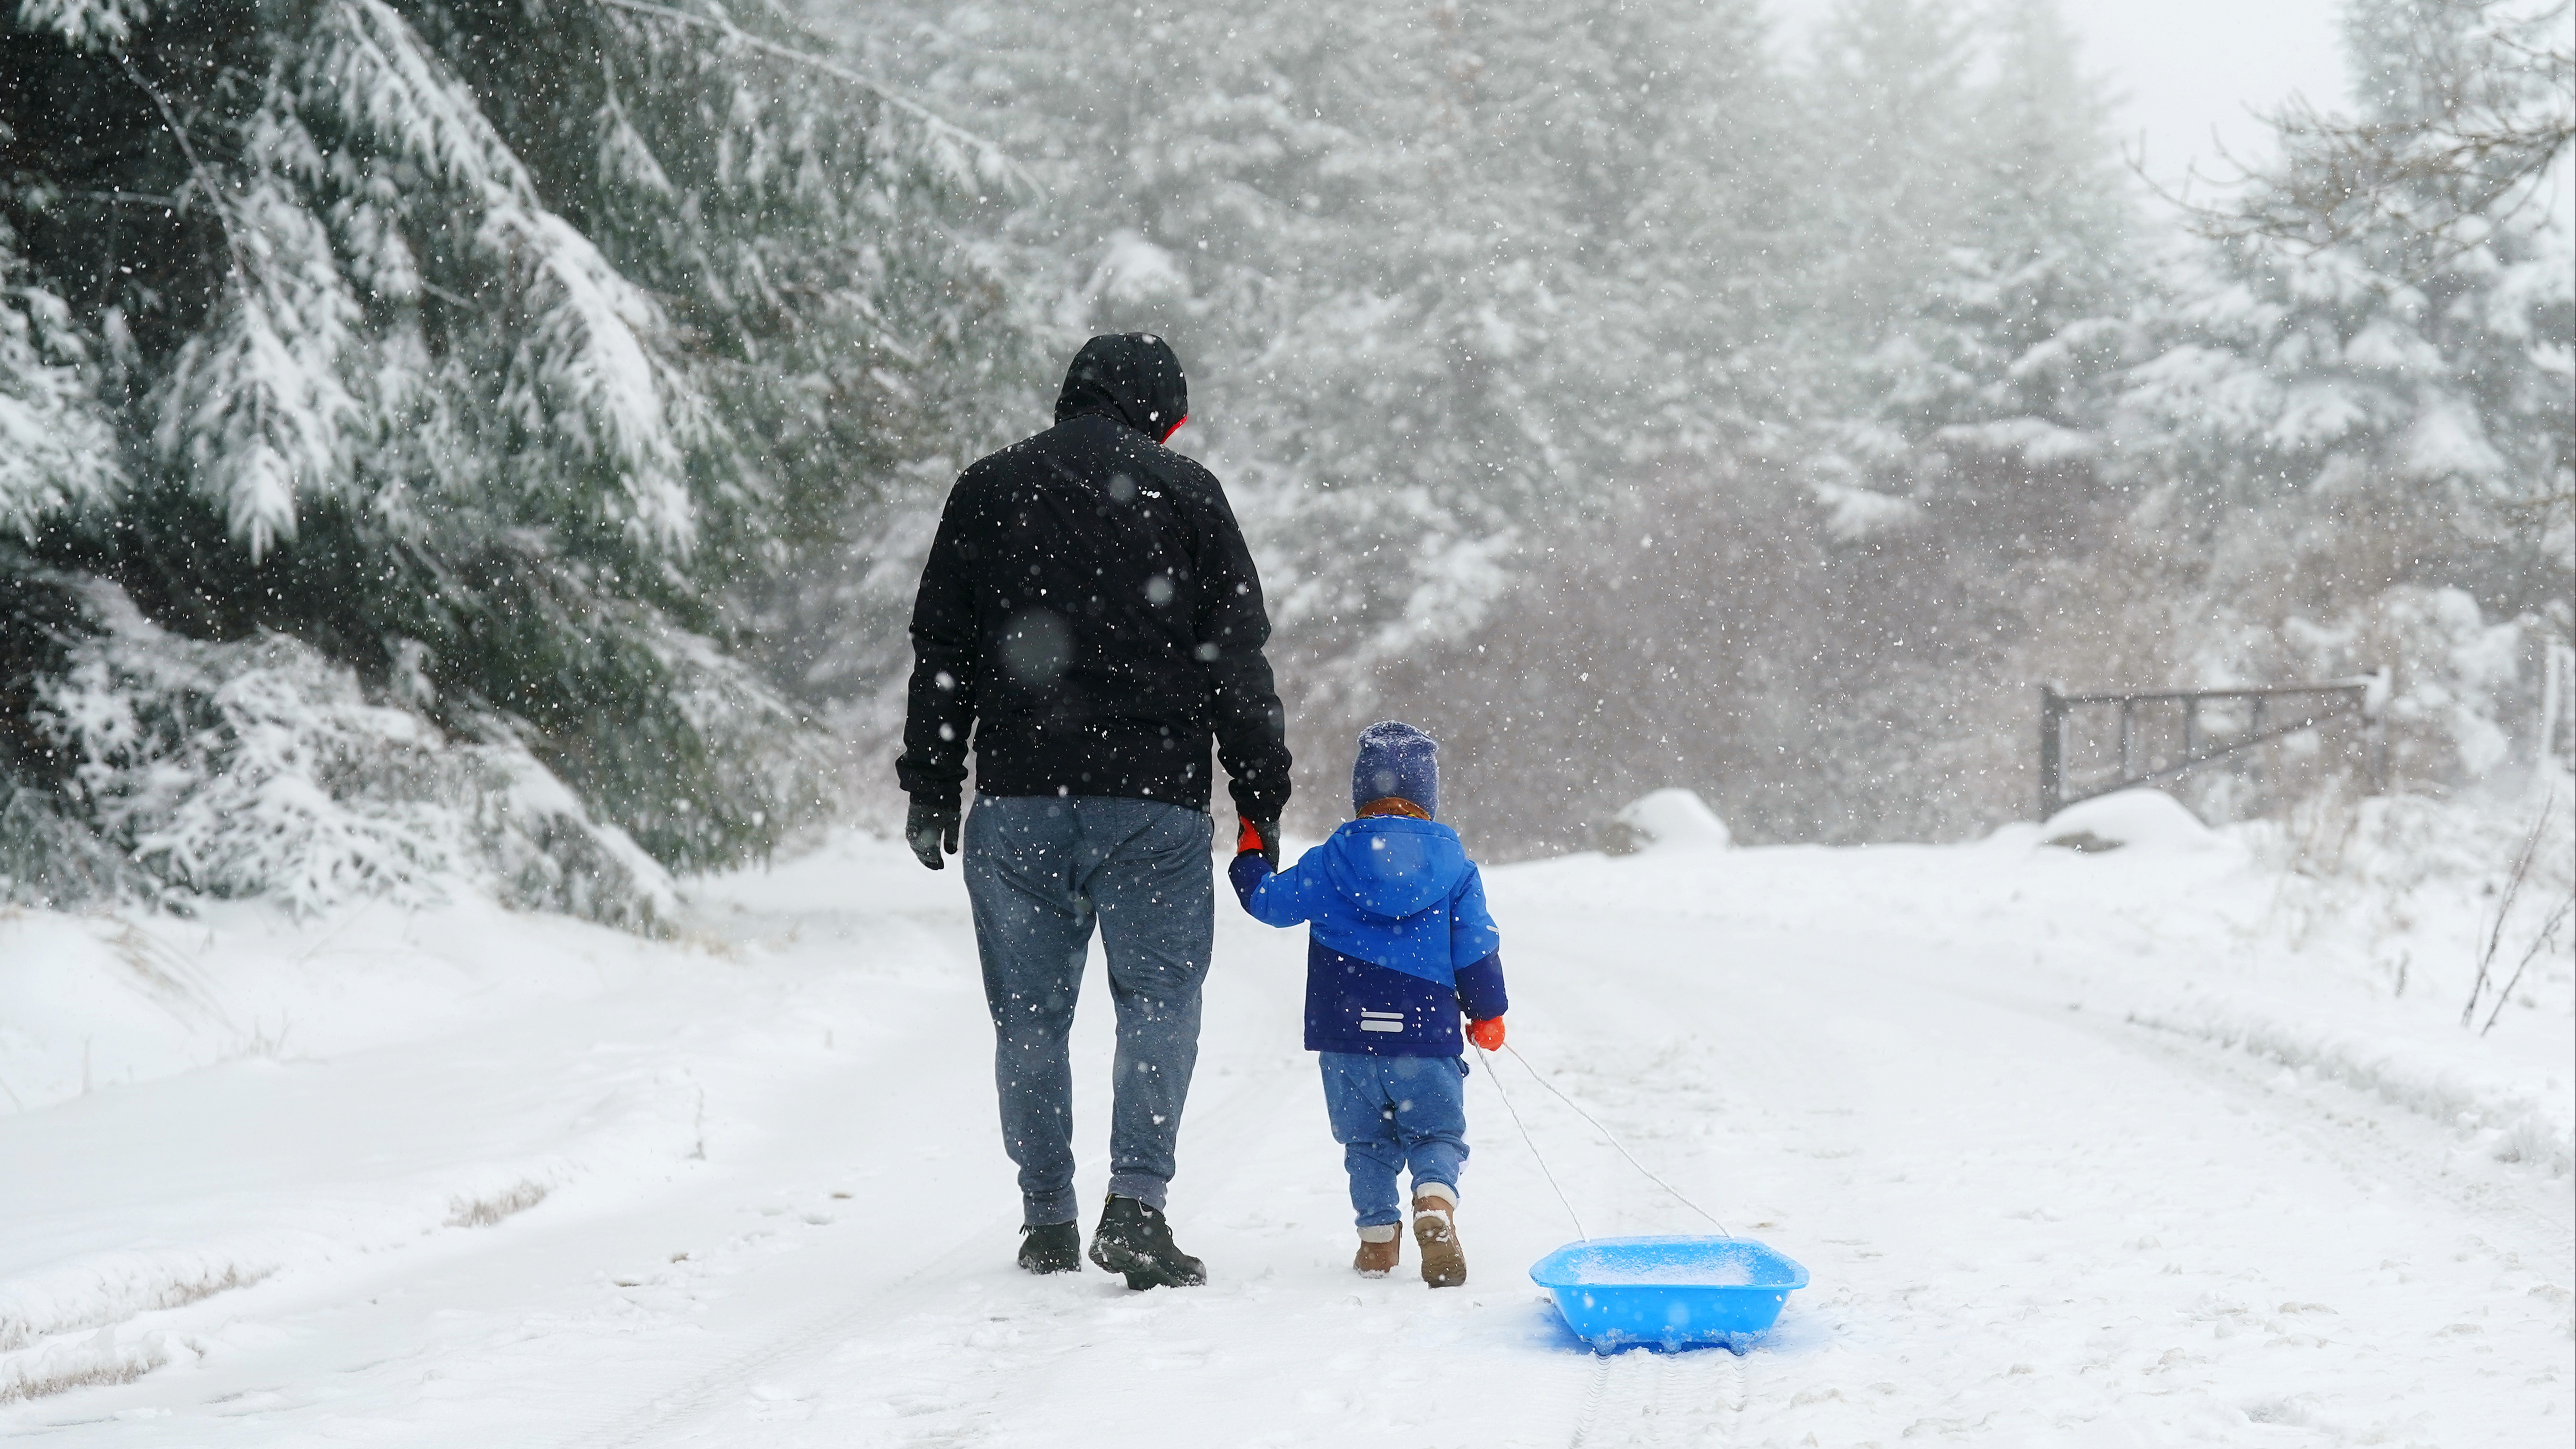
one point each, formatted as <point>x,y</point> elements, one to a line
<point>2184,69</point>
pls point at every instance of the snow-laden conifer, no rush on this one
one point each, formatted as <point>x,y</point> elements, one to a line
<point>1440,277</point>
<point>57,449</point>
<point>259,767</point>
<point>2393,341</point>
<point>518,360</point>
<point>1990,381</point>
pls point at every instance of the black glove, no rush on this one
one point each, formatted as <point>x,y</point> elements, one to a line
<point>1259,837</point>
<point>929,825</point>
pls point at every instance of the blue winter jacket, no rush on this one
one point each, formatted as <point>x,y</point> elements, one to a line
<point>1400,944</point>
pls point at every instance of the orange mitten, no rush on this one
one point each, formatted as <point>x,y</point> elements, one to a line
<point>1487,1033</point>
<point>1248,839</point>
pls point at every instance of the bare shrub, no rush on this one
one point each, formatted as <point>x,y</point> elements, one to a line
<point>483,1212</point>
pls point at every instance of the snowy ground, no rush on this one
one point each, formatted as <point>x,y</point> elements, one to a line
<point>2130,1148</point>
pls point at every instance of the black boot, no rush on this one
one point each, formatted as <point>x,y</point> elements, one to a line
<point>1135,1240</point>
<point>1051,1248</point>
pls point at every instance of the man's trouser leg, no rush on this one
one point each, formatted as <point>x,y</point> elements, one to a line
<point>1155,887</point>
<point>1031,931</point>
<point>1037,869</point>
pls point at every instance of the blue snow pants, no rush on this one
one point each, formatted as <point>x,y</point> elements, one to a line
<point>1041,872</point>
<point>1390,1113</point>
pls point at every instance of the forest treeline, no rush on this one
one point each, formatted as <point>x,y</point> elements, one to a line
<point>1637,401</point>
<point>500,437</point>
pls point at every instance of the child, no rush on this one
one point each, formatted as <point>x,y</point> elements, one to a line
<point>1401,945</point>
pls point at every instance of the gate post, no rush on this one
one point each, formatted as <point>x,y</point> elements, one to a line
<point>2052,751</point>
<point>2374,727</point>
<point>2254,761</point>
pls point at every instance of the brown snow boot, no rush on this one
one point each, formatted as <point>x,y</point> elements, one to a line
<point>1435,1227</point>
<point>1381,1248</point>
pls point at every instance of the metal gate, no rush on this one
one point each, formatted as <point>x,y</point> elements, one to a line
<point>2275,711</point>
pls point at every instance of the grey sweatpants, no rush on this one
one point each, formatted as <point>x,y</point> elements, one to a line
<point>1041,871</point>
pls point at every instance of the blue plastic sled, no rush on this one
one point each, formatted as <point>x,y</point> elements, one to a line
<point>1668,1292</point>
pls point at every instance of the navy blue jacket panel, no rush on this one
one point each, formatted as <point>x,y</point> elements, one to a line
<point>1364,1008</point>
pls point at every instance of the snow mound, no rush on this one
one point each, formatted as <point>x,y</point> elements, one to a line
<point>2147,819</point>
<point>1672,819</point>
<point>2505,1119</point>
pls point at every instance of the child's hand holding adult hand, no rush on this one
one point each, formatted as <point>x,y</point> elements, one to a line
<point>1487,1034</point>
<point>1259,837</point>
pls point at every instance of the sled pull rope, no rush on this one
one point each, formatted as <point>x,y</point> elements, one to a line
<point>1539,1157</point>
<point>1611,1137</point>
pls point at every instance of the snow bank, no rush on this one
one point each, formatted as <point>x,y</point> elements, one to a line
<point>2340,943</point>
<point>86,1002</point>
<point>195,1108</point>
<point>307,1130</point>
<point>91,1003</point>
<point>105,1357</point>
<point>2510,1120</point>
<point>2143,819</point>
<point>70,1321</point>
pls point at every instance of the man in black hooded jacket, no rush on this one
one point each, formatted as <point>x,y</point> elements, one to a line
<point>1090,621</point>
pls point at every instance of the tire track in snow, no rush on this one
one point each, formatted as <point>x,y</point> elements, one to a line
<point>735,1373</point>
<point>2360,1129</point>
<point>889,1341</point>
<point>966,1251</point>
<point>2226,1138</point>
<point>2370,1138</point>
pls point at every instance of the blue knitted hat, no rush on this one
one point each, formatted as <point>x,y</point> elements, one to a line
<point>1397,759</point>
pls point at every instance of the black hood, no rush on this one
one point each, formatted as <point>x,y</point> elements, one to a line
<point>1130,376</point>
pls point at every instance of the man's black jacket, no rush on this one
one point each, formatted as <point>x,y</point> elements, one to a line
<point>1089,614</point>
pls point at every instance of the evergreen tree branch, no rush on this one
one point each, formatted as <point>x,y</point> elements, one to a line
<point>197,173</point>
<point>989,153</point>
<point>2475,145</point>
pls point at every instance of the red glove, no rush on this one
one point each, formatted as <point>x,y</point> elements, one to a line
<point>1487,1033</point>
<point>1261,838</point>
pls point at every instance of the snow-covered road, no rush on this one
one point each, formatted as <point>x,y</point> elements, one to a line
<point>577,1190</point>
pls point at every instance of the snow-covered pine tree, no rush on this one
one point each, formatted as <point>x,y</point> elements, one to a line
<point>2352,442</point>
<point>1291,195</point>
<point>1962,332</point>
<point>2374,382</point>
<point>1570,282</point>
<point>1445,277</point>
<point>59,453</point>
<point>1990,387</point>
<point>488,348</point>
<point>1888,121</point>
<point>2463,106</point>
